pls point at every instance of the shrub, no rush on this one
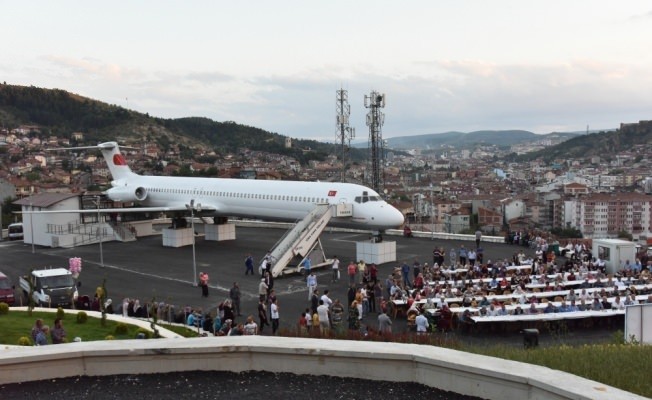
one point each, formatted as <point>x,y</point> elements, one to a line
<point>121,328</point>
<point>4,308</point>
<point>82,317</point>
<point>24,341</point>
<point>60,313</point>
<point>145,332</point>
<point>109,337</point>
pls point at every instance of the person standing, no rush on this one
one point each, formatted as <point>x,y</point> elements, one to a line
<point>478,237</point>
<point>234,294</point>
<point>262,315</point>
<point>314,301</point>
<point>275,316</point>
<point>362,267</point>
<point>435,255</point>
<point>324,320</point>
<point>249,264</point>
<point>416,268</point>
<point>311,281</point>
<point>307,265</point>
<point>462,254</point>
<point>269,281</point>
<point>263,265</point>
<point>371,296</point>
<point>327,300</point>
<point>384,323</point>
<point>472,257</point>
<point>405,271</point>
<point>203,282</point>
<point>373,273</point>
<point>337,312</point>
<point>422,324</point>
<point>335,267</point>
<point>452,256</point>
<point>262,290</point>
<point>354,317</point>
<point>58,333</point>
<point>351,271</point>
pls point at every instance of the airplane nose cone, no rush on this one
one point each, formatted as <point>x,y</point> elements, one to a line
<point>397,218</point>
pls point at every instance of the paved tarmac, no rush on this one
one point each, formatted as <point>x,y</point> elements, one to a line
<point>146,270</point>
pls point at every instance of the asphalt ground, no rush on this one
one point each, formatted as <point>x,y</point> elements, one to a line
<point>148,271</point>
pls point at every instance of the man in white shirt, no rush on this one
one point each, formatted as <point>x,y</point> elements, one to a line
<point>336,269</point>
<point>422,324</point>
<point>327,300</point>
<point>617,304</point>
<point>275,316</point>
<point>601,264</point>
<point>311,281</point>
<point>324,320</point>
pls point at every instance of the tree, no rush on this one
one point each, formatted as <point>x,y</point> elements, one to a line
<point>567,233</point>
<point>625,235</point>
<point>33,176</point>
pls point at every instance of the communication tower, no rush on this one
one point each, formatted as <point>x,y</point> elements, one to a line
<point>375,120</point>
<point>344,132</point>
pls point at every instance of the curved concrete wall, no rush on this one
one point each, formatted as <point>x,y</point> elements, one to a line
<point>451,370</point>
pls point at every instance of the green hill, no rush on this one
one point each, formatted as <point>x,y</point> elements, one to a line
<point>601,144</point>
<point>61,113</point>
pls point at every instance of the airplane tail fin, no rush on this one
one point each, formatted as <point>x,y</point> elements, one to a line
<point>115,160</point>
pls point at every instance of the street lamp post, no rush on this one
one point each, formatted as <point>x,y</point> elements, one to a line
<point>31,222</point>
<point>192,208</point>
<point>99,231</point>
<point>432,217</point>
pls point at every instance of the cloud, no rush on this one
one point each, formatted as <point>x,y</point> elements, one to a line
<point>641,16</point>
<point>422,97</point>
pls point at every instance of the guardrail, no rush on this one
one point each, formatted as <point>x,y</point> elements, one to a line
<point>450,370</point>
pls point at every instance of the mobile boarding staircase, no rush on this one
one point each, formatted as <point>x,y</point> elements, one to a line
<point>302,241</point>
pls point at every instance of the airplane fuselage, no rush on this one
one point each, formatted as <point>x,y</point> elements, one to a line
<point>260,199</point>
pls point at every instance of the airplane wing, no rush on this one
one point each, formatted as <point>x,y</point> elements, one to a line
<point>119,210</point>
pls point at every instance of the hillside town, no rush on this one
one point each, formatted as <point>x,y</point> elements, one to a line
<point>450,190</point>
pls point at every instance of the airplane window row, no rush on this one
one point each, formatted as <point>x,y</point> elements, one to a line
<point>241,195</point>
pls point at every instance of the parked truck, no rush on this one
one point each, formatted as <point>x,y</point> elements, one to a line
<point>53,287</point>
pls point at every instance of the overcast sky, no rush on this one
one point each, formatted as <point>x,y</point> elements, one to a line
<point>443,65</point>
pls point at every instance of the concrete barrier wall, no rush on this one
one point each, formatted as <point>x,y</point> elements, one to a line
<point>450,370</point>
<point>388,232</point>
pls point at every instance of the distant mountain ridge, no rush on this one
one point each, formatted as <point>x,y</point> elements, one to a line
<point>61,113</point>
<point>501,138</point>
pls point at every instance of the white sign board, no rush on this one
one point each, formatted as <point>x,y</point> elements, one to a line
<point>638,323</point>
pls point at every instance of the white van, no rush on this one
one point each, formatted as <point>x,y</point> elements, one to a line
<point>15,231</point>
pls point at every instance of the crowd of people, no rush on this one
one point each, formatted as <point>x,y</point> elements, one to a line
<point>423,293</point>
<point>470,282</point>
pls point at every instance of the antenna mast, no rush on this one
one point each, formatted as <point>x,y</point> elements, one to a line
<point>344,132</point>
<point>375,120</point>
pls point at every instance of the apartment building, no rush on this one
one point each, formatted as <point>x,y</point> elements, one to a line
<point>605,215</point>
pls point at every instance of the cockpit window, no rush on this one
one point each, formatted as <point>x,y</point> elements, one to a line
<point>365,198</point>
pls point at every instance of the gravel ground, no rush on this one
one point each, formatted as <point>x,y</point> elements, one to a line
<point>213,385</point>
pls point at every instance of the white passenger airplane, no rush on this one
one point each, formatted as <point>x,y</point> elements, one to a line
<point>259,199</point>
